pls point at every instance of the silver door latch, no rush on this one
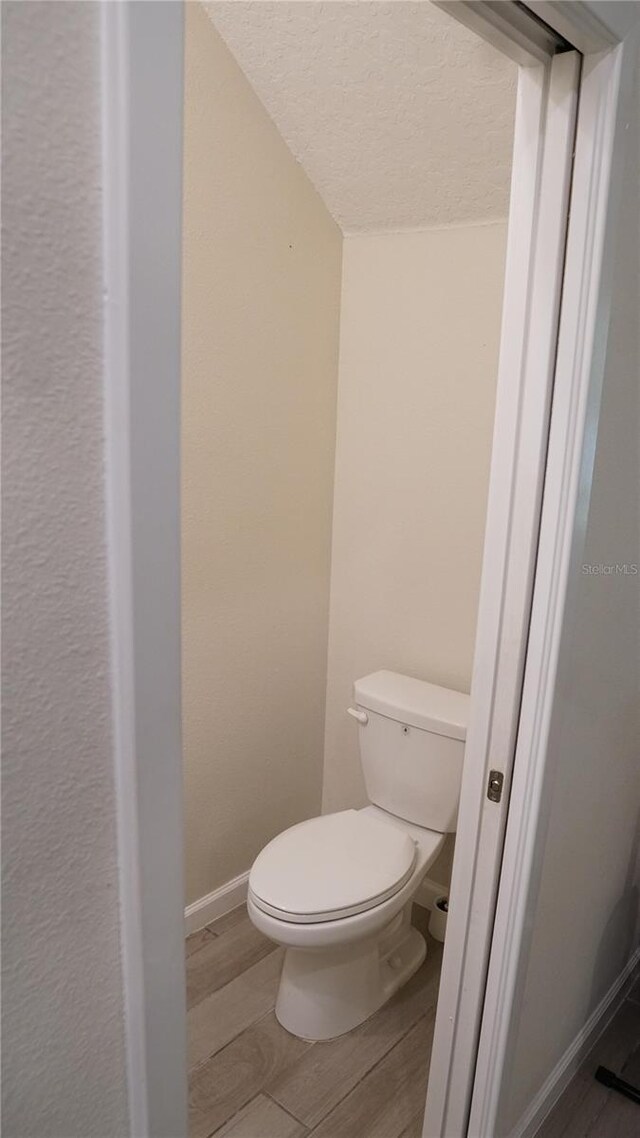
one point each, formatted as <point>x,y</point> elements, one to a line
<point>494,789</point>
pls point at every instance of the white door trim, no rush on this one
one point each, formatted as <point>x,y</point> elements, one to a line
<point>591,26</point>
<point>142,133</point>
<point>541,173</point>
<point>461,993</point>
<point>576,407</point>
<point>118,517</point>
<point>508,27</point>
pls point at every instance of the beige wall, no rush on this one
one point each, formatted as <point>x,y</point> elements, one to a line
<point>260,333</point>
<point>586,922</point>
<point>418,357</point>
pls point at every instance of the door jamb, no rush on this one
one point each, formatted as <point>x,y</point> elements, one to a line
<point>142,96</point>
<point>605,33</point>
<point>584,322</point>
<point>542,162</point>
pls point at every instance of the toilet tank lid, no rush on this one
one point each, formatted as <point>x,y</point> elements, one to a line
<point>415,702</point>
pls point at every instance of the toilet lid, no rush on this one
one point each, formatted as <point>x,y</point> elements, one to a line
<point>331,867</point>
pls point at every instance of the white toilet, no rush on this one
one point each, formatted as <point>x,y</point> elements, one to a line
<point>337,890</point>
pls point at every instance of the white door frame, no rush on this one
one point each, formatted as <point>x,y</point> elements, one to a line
<point>464,1098</point>
<point>579,375</point>
<point>542,163</point>
<point>142,130</point>
<point>142,99</point>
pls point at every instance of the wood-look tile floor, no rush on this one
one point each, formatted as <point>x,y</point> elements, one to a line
<point>248,1078</point>
<point>587,1109</point>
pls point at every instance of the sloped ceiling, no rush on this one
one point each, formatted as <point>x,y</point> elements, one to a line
<point>401,117</point>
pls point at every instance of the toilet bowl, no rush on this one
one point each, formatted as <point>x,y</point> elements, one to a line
<point>336,891</point>
<point>342,964</point>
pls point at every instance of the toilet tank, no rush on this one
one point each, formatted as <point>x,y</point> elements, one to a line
<point>412,737</point>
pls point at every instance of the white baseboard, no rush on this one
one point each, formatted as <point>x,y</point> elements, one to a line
<point>428,893</point>
<point>216,904</point>
<point>563,1072</point>
<point>234,893</point>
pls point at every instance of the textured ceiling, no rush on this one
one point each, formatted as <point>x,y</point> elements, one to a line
<point>401,117</point>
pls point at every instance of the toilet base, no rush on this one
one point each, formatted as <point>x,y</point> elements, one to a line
<point>325,993</point>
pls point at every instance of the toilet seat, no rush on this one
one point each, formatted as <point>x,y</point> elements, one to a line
<point>331,867</point>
